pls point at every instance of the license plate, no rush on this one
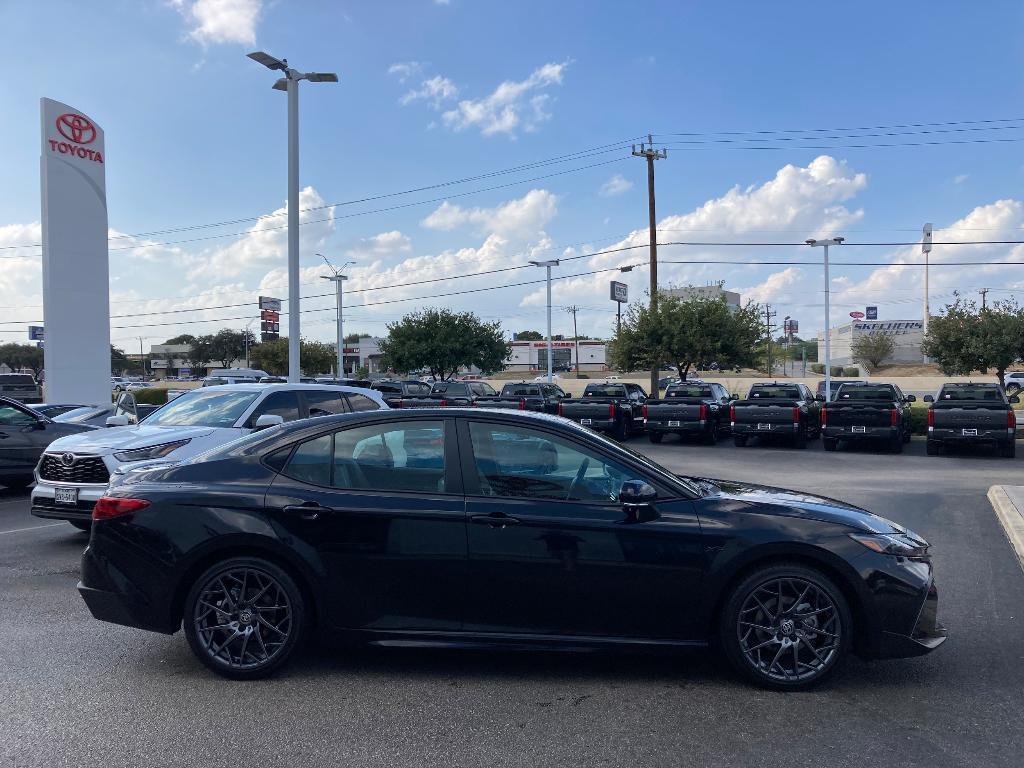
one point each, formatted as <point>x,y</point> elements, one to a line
<point>764,426</point>
<point>858,429</point>
<point>673,423</point>
<point>970,433</point>
<point>65,495</point>
<point>586,421</point>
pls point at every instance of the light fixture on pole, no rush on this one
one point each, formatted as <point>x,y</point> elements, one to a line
<point>926,249</point>
<point>245,335</point>
<point>290,83</point>
<point>548,264</point>
<point>338,279</point>
<point>828,311</point>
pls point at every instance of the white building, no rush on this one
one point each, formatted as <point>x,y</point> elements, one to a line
<point>533,355</point>
<point>713,291</point>
<point>908,335</point>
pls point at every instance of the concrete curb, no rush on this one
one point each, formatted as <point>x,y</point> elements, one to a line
<point>1010,517</point>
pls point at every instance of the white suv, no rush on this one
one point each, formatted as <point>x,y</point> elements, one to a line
<point>74,471</point>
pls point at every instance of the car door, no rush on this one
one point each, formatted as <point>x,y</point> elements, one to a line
<point>552,551</point>
<point>22,439</point>
<point>382,508</point>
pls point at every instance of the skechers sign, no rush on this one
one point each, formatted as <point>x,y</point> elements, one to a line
<point>78,130</point>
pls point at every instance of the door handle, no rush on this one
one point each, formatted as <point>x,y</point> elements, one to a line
<point>308,511</point>
<point>494,521</point>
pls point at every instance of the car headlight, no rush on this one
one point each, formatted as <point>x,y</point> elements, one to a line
<point>898,544</point>
<point>150,452</point>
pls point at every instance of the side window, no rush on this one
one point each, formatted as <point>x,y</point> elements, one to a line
<point>283,404</point>
<point>311,462</point>
<point>14,417</point>
<point>524,463</point>
<point>325,403</point>
<point>361,402</point>
<point>404,456</point>
<point>389,389</point>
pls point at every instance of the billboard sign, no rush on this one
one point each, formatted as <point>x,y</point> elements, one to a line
<point>871,313</point>
<point>35,333</point>
<point>76,273</point>
<point>856,315</point>
<point>620,292</point>
<point>268,302</point>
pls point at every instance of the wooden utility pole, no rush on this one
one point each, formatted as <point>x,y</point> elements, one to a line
<point>984,293</point>
<point>768,315</point>
<point>652,154</point>
<point>575,335</point>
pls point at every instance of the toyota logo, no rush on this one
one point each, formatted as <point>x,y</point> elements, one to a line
<point>76,128</point>
<point>67,459</point>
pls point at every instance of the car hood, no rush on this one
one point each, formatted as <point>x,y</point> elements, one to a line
<point>782,501</point>
<point>124,438</point>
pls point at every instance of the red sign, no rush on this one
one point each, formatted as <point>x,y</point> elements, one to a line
<point>78,130</point>
<point>856,315</point>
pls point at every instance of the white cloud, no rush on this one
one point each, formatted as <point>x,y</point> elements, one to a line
<point>403,70</point>
<point>616,185</point>
<point>221,21</point>
<point>382,245</point>
<point>511,106</point>
<point>524,216</point>
<point>434,91</point>
<point>961,178</point>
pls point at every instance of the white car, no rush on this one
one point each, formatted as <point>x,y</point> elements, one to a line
<point>73,473</point>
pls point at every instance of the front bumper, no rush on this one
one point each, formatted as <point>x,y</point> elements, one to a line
<point>928,633</point>
<point>45,506</point>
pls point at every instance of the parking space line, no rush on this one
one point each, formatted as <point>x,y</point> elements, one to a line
<point>1010,517</point>
<point>31,528</point>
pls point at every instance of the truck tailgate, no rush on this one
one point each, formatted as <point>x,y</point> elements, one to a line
<point>763,413</point>
<point>859,414</point>
<point>981,417</point>
<point>672,412</point>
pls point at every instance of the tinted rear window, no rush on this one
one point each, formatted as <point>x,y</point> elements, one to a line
<point>16,380</point>
<point>688,392</point>
<point>970,393</point>
<point>597,390</point>
<point>774,393</point>
<point>866,393</point>
<point>520,389</point>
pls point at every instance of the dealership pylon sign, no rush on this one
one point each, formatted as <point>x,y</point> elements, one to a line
<point>76,299</point>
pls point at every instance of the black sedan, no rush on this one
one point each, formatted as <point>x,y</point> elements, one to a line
<point>466,527</point>
<point>24,435</point>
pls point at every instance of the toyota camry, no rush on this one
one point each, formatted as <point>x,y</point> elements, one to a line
<point>467,527</point>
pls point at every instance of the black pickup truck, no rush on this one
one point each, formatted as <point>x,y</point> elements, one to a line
<point>449,393</point>
<point>392,391</point>
<point>613,408</point>
<point>689,409</point>
<point>524,396</point>
<point>785,410</point>
<point>969,414</point>
<point>867,411</point>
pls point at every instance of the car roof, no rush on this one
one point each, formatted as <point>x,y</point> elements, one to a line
<point>278,386</point>
<point>969,384</point>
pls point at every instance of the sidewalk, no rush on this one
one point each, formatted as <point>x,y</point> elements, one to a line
<point>1008,502</point>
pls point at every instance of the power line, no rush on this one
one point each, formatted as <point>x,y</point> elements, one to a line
<point>863,128</point>
<point>876,145</point>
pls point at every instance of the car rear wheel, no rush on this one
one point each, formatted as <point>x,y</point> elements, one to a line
<point>711,437</point>
<point>896,444</point>
<point>829,443</point>
<point>932,448</point>
<point>244,618</point>
<point>655,437</point>
<point>786,627</point>
<point>619,431</point>
<point>1009,450</point>
<point>739,440</point>
<point>800,440</point>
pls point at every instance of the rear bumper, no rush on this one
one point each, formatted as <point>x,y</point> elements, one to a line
<point>786,428</point>
<point>984,436</point>
<point>869,433</point>
<point>111,596</point>
<point>601,425</point>
<point>682,428</point>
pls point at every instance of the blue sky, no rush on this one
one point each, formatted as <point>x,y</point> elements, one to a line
<point>432,92</point>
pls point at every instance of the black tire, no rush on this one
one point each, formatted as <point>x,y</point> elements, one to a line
<point>18,483</point>
<point>740,441</point>
<point>619,431</point>
<point>655,437</point>
<point>711,436</point>
<point>276,617</point>
<point>82,525</point>
<point>932,448</point>
<point>906,436</point>
<point>829,443</point>
<point>896,444</point>
<point>814,620</point>
<point>800,440</point>
<point>1009,450</point>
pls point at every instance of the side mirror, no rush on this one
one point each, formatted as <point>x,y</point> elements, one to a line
<point>929,399</point>
<point>268,420</point>
<point>117,421</point>
<point>1014,399</point>
<point>636,496</point>
<point>911,398</point>
<point>734,396</point>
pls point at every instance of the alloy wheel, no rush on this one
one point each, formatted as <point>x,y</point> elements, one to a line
<point>789,630</point>
<point>243,618</point>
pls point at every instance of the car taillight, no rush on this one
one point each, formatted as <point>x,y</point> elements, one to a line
<point>112,506</point>
<point>796,415</point>
<point>893,417</point>
<point>732,413</point>
<point>611,410</point>
<point>703,412</point>
<point>1011,420</point>
<point>443,403</point>
<point>522,404</point>
<point>643,410</point>
<point>931,418</point>
<point>561,410</point>
<point>824,417</point>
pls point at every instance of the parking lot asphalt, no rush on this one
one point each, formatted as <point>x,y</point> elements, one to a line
<point>77,692</point>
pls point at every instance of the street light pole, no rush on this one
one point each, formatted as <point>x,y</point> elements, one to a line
<point>338,279</point>
<point>290,84</point>
<point>548,264</point>
<point>824,244</point>
<point>926,249</point>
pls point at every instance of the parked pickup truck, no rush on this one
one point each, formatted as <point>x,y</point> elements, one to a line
<point>616,409</point>
<point>526,396</point>
<point>449,393</point>
<point>868,411</point>
<point>695,409</point>
<point>972,414</point>
<point>777,410</point>
<point>394,391</point>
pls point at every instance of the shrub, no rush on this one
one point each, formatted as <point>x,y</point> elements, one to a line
<point>851,371</point>
<point>837,370</point>
<point>150,396</point>
<point>818,368</point>
<point>919,418</point>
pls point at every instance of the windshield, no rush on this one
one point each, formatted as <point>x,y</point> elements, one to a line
<point>200,408</point>
<point>774,393</point>
<point>80,415</point>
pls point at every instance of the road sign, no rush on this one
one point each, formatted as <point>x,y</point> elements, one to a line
<point>856,315</point>
<point>269,302</point>
<point>35,333</point>
<point>269,316</point>
<point>619,292</point>
<point>872,313</point>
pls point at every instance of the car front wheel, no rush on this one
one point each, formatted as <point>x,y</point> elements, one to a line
<point>244,618</point>
<point>786,627</point>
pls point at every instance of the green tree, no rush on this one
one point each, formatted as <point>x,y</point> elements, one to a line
<point>353,338</point>
<point>226,346</point>
<point>872,349</point>
<point>685,333</point>
<point>964,339</point>
<point>199,353</point>
<point>119,362</point>
<point>21,356</point>
<point>444,341</point>
<point>185,338</point>
<point>316,357</point>
<point>528,336</point>
<point>272,356</point>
